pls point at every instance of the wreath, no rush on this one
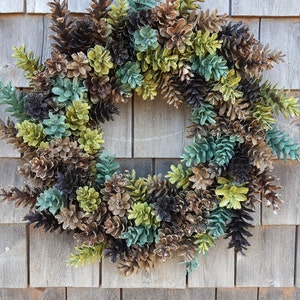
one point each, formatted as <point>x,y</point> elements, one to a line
<point>100,59</point>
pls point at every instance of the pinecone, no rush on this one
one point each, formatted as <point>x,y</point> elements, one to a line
<point>37,106</point>
<point>103,111</point>
<point>68,181</point>
<point>202,178</point>
<point>69,217</point>
<point>167,245</point>
<point>119,204</point>
<point>119,51</point>
<point>114,226</point>
<point>250,87</point>
<point>115,185</point>
<point>165,14</point>
<point>41,82</point>
<point>81,36</point>
<point>115,248</point>
<point>166,206</point>
<point>187,250</point>
<point>99,88</point>
<point>137,258</point>
<point>91,233</point>
<point>157,186</point>
<point>57,64</point>
<point>195,91</point>
<point>177,35</point>
<point>239,167</point>
<point>79,67</point>
<point>43,167</point>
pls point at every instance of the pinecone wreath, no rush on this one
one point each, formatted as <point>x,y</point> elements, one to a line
<point>98,60</point>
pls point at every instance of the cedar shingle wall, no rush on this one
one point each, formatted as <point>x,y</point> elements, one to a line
<point>32,263</point>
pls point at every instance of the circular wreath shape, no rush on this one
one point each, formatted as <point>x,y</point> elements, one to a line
<point>98,60</point>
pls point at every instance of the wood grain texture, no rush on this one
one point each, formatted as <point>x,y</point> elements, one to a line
<point>159,128</point>
<point>237,293</point>
<point>269,261</point>
<point>279,294</point>
<point>143,167</point>
<point>265,8</point>
<point>37,6</point>
<point>170,274</point>
<point>168,294</point>
<point>297,263</point>
<point>208,273</point>
<point>11,6</point>
<point>33,294</point>
<point>117,133</point>
<point>221,5</point>
<point>8,177</point>
<point>93,294</point>
<point>15,31</point>
<point>289,211</point>
<point>78,6</point>
<point>13,256</point>
<point>189,293</point>
<point>283,34</point>
<point>48,268</point>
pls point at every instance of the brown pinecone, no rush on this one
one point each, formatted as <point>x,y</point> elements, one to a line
<point>177,35</point>
<point>167,245</point>
<point>99,88</point>
<point>195,224</point>
<point>43,167</point>
<point>115,185</point>
<point>165,14</point>
<point>119,204</point>
<point>114,226</point>
<point>137,258</point>
<point>57,64</point>
<point>79,67</point>
<point>82,36</point>
<point>202,177</point>
<point>187,250</point>
<point>69,217</point>
<point>91,233</point>
<point>41,82</point>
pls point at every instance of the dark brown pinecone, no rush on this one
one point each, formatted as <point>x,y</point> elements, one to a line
<point>91,233</point>
<point>99,88</point>
<point>114,226</point>
<point>195,91</point>
<point>37,106</point>
<point>82,36</point>
<point>239,167</point>
<point>119,51</point>
<point>116,248</point>
<point>69,180</point>
<point>157,186</point>
<point>103,111</point>
<point>61,25</point>
<point>57,64</point>
<point>250,87</point>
